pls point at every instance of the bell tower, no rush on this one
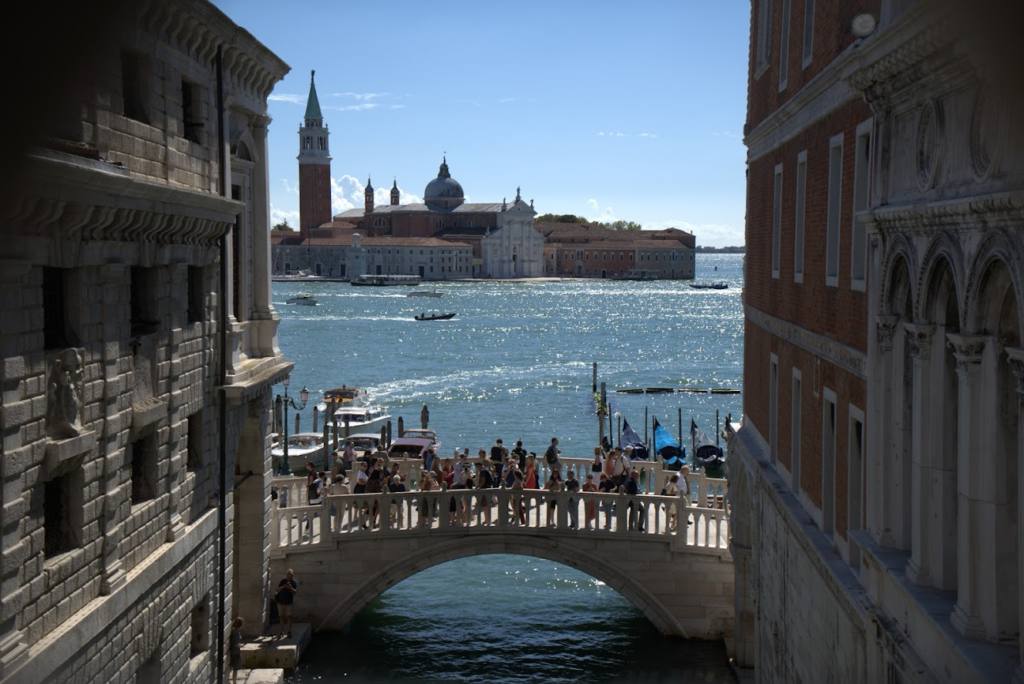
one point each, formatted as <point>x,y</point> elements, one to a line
<point>314,166</point>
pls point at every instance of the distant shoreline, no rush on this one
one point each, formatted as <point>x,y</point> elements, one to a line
<point>741,249</point>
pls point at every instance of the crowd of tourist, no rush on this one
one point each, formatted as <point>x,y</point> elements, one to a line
<point>612,471</point>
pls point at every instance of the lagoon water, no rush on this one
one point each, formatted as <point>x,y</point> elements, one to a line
<point>516,363</point>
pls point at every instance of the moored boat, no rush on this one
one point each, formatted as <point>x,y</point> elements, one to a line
<point>385,280</point>
<point>302,448</point>
<point>362,418</point>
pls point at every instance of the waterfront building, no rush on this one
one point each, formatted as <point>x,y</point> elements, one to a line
<point>875,478</point>
<point>500,235</point>
<point>139,347</point>
<point>586,251</point>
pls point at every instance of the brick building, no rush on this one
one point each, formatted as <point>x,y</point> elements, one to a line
<point>876,530</point>
<point>135,443</point>
<point>586,251</point>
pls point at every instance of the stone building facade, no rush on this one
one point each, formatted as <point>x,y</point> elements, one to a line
<point>876,525</point>
<point>135,443</point>
<point>585,251</point>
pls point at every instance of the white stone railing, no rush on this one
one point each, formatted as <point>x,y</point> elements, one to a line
<point>521,511</point>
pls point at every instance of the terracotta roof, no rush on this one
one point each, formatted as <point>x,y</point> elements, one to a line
<point>410,242</point>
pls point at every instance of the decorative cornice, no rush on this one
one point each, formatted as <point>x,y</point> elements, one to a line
<point>920,336</point>
<point>68,202</point>
<point>838,354</point>
<point>981,211</point>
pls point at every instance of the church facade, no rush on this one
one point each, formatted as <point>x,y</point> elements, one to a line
<point>481,240</point>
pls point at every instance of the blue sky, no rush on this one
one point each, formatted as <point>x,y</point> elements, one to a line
<point>608,110</point>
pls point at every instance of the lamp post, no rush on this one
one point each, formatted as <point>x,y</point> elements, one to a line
<point>304,396</point>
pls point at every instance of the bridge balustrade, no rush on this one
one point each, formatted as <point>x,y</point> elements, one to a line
<point>527,511</point>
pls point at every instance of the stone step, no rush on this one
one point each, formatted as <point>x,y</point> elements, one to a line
<point>269,651</point>
<point>262,675</point>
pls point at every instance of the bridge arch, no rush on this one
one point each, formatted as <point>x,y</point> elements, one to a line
<point>615,578</point>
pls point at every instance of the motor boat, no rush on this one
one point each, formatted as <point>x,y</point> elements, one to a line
<point>435,317</point>
<point>424,434</point>
<point>425,293</point>
<point>710,286</point>
<point>410,447</point>
<point>362,418</point>
<point>384,280</point>
<point>302,448</point>
<point>302,300</point>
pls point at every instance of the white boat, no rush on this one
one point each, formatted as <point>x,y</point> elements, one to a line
<point>302,448</point>
<point>362,418</point>
<point>424,434</point>
<point>425,293</point>
<point>382,280</point>
<point>302,300</point>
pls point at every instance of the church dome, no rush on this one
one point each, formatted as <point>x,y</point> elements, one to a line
<point>444,189</point>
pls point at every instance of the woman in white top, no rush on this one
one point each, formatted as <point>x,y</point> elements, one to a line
<point>672,490</point>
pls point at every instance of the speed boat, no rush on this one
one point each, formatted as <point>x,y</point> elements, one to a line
<point>302,300</point>
<point>362,418</point>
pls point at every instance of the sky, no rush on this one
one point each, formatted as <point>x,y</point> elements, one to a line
<point>607,110</point>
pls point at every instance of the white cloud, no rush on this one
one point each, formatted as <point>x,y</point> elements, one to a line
<point>363,96</point>
<point>710,234</point>
<point>347,192</point>
<point>648,135</point>
<point>353,108</point>
<point>726,134</point>
<point>287,97</point>
<point>279,215</point>
<point>289,188</point>
<point>598,213</point>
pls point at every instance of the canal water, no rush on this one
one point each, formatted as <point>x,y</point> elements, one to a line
<point>516,363</point>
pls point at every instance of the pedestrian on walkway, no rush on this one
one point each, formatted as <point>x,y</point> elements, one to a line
<point>235,648</point>
<point>285,597</point>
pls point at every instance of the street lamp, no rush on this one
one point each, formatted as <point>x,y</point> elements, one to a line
<point>304,396</point>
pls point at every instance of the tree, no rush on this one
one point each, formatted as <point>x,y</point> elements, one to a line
<point>283,225</point>
<point>560,218</point>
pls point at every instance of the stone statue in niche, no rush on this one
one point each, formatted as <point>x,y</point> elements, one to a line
<point>63,395</point>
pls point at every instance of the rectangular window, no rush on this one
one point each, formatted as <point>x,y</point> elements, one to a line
<point>777,222</point>
<point>855,481</point>
<point>808,33</point>
<point>200,628</point>
<point>764,35</point>
<point>796,434</point>
<point>835,197</point>
<point>143,301</point>
<point>143,459</point>
<point>54,312</point>
<point>773,409</point>
<point>798,222</point>
<point>62,502</point>
<point>196,294</point>
<point>195,441</point>
<point>861,190</point>
<point>191,120</point>
<point>828,461</point>
<point>134,85</point>
<point>784,47</point>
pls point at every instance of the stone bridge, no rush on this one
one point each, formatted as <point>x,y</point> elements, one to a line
<point>681,579</point>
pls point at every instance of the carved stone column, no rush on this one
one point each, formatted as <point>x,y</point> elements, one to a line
<point>265,335</point>
<point>1016,357</point>
<point>919,570</point>
<point>971,532</point>
<point>887,474</point>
